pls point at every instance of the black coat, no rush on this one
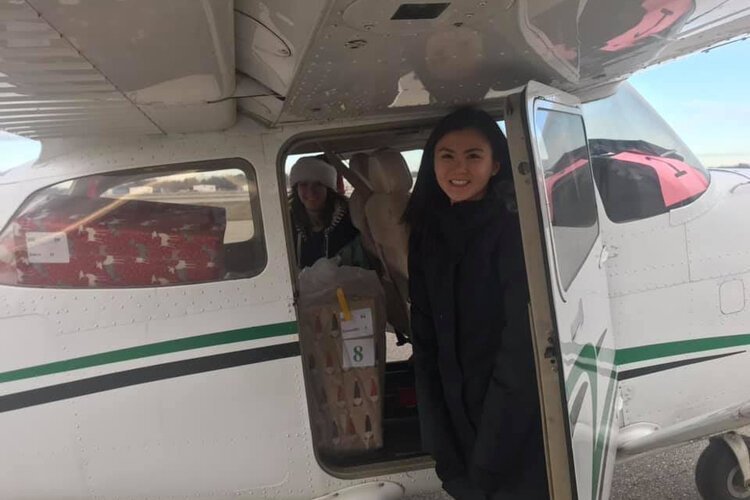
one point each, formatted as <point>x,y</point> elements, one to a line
<point>475,373</point>
<point>311,246</point>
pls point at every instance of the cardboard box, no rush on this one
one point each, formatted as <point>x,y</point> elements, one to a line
<point>98,242</point>
<point>346,373</point>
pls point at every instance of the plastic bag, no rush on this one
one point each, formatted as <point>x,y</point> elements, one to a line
<point>325,276</point>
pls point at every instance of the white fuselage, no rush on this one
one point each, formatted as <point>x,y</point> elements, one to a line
<point>678,294</point>
<point>240,431</point>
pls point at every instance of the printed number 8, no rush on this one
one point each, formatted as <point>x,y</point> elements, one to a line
<point>358,354</point>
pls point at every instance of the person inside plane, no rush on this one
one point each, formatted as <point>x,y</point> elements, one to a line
<point>474,365</point>
<point>320,216</point>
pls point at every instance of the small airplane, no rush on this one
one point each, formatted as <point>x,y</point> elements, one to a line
<point>166,130</point>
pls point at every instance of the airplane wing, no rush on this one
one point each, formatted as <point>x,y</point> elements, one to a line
<point>115,68</point>
<point>106,67</point>
<point>713,24</point>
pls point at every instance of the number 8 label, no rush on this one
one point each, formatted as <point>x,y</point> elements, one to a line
<point>359,353</point>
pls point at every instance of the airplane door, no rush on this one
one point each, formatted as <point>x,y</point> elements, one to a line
<point>573,339</point>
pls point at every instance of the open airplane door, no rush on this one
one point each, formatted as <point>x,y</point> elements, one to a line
<point>565,256</point>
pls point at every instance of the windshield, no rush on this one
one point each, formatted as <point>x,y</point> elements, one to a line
<point>625,121</point>
<point>641,167</point>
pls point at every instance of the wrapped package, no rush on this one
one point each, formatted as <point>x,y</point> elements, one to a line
<point>342,332</point>
<point>98,242</point>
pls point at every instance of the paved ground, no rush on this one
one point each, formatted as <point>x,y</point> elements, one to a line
<point>664,476</point>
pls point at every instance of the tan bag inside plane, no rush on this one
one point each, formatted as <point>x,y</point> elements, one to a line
<point>344,358</point>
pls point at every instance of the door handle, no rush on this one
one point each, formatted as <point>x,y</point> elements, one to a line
<point>608,252</point>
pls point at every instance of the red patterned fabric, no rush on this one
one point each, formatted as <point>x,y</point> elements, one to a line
<point>116,243</point>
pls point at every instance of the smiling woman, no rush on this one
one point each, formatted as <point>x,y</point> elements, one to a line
<point>473,360</point>
<point>464,165</point>
<point>16,151</point>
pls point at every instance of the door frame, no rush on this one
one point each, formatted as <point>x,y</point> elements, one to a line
<point>548,356</point>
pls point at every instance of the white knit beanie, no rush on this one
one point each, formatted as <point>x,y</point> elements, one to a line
<point>310,169</point>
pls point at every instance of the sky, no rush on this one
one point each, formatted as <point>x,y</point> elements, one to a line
<point>704,99</point>
<point>702,96</point>
<point>16,150</point>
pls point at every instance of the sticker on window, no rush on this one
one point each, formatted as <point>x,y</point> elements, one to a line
<point>47,248</point>
<point>358,353</point>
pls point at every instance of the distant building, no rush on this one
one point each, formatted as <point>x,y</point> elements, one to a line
<point>205,188</point>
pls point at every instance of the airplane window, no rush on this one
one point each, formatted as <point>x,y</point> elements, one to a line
<point>169,225</point>
<point>569,184</point>
<point>413,158</point>
<point>641,167</point>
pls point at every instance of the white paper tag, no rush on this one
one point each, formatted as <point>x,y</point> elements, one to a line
<point>359,353</point>
<point>359,326</point>
<point>47,248</point>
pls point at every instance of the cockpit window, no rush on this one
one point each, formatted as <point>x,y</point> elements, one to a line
<point>641,167</point>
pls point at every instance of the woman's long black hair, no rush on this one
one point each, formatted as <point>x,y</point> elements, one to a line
<point>299,214</point>
<point>427,195</point>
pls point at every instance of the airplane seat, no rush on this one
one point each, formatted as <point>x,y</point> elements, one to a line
<point>391,181</point>
<point>359,165</point>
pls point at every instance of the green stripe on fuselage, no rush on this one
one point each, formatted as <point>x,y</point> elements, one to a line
<point>667,349</point>
<point>144,351</point>
<point>588,363</point>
